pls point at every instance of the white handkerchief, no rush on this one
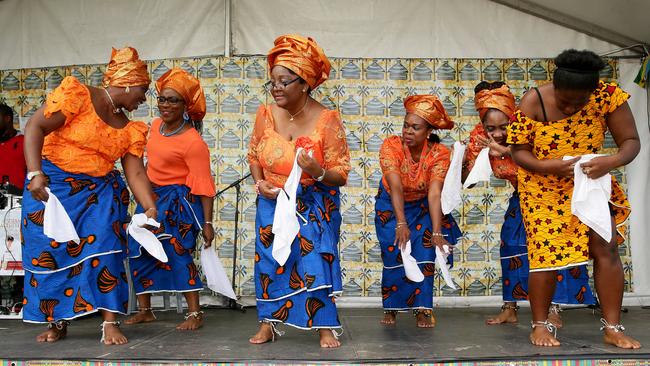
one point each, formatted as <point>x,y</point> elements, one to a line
<point>450,197</point>
<point>590,201</point>
<point>481,170</point>
<point>215,274</point>
<point>56,222</point>
<point>285,221</point>
<point>411,267</point>
<point>441,261</point>
<point>146,238</point>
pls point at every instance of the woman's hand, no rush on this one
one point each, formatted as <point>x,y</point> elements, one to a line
<point>440,242</point>
<point>309,164</point>
<point>268,190</point>
<point>560,167</point>
<point>597,167</point>
<point>152,213</point>
<point>37,188</point>
<point>496,149</point>
<point>208,234</point>
<point>402,236</point>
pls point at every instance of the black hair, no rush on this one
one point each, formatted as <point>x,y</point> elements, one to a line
<point>6,110</point>
<point>577,70</point>
<point>486,85</point>
<point>433,138</point>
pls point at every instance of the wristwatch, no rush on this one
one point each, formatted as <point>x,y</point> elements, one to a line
<point>31,175</point>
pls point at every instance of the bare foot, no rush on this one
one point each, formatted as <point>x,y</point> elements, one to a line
<point>389,318</point>
<point>52,335</point>
<point>142,316</point>
<point>425,319</point>
<point>555,319</point>
<point>507,316</point>
<point>263,335</point>
<point>113,335</point>
<point>191,323</point>
<point>327,339</point>
<point>620,340</point>
<point>540,336</point>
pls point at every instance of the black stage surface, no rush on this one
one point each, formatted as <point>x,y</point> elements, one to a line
<point>460,336</point>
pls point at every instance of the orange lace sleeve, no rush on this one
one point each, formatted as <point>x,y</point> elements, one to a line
<point>256,136</point>
<point>473,147</point>
<point>137,132</point>
<point>200,180</point>
<point>336,154</point>
<point>391,154</point>
<point>68,98</point>
<point>440,161</point>
<point>520,131</point>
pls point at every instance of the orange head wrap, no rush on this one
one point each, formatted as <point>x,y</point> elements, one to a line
<point>500,98</point>
<point>430,109</point>
<point>188,87</point>
<point>126,69</point>
<point>302,56</point>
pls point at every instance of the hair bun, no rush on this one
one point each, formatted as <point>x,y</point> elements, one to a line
<point>574,60</point>
<point>486,85</point>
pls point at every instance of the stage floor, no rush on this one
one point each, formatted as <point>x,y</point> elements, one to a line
<point>460,336</point>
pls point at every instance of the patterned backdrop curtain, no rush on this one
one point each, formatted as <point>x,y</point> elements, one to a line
<point>369,94</point>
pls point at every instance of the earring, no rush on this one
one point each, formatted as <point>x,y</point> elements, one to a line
<point>186,116</point>
<point>127,90</point>
<point>304,90</point>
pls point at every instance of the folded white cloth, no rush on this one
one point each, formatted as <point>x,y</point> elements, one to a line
<point>215,274</point>
<point>590,201</point>
<point>450,197</point>
<point>285,222</point>
<point>56,222</point>
<point>146,238</point>
<point>411,267</point>
<point>481,170</point>
<point>441,261</point>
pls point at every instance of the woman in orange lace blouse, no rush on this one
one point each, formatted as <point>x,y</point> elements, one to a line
<point>302,291</point>
<point>71,145</point>
<point>408,208</point>
<point>495,105</point>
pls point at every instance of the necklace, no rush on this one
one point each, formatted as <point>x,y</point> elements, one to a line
<point>292,116</point>
<point>162,125</point>
<point>115,109</point>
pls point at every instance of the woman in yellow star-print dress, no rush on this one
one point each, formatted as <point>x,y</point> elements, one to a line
<point>570,117</point>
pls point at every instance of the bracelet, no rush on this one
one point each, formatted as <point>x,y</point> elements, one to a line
<point>400,224</point>
<point>322,176</point>
<point>438,234</point>
<point>257,186</point>
<point>208,222</point>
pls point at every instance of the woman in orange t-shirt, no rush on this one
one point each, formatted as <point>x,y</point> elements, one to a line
<point>178,164</point>
<point>71,145</point>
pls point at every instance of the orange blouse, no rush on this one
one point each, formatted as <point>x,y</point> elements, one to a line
<point>276,155</point>
<point>395,157</point>
<point>179,159</point>
<point>501,168</point>
<point>85,143</point>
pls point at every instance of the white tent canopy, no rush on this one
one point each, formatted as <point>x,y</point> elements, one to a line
<point>40,33</point>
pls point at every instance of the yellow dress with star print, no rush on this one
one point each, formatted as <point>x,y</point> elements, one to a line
<point>556,239</point>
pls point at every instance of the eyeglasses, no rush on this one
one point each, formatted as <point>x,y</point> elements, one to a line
<point>170,100</point>
<point>270,85</point>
